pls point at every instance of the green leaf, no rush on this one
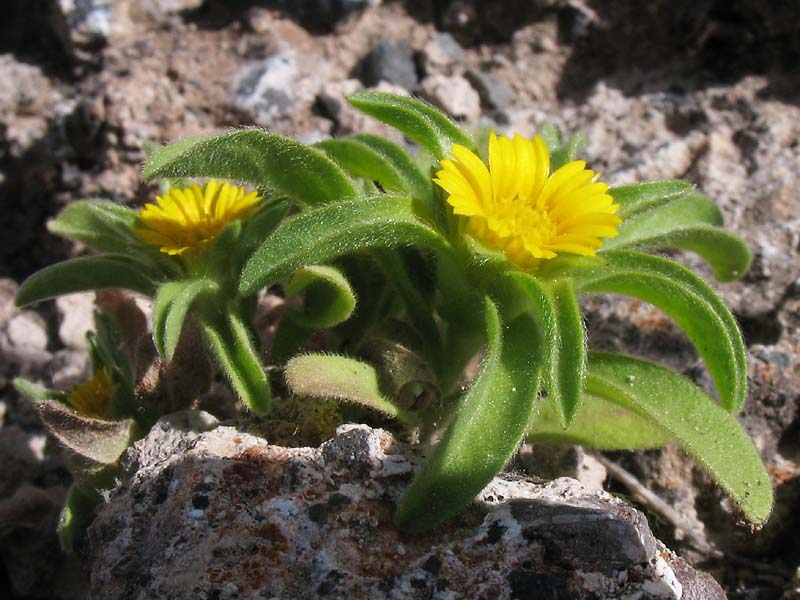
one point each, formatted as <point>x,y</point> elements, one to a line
<point>568,152</point>
<point>256,157</point>
<point>179,309</point>
<point>691,303</point>
<point>425,125</point>
<point>340,378</point>
<point>688,222</point>
<point>329,299</point>
<point>564,344</point>
<point>599,424</point>
<point>101,225</point>
<point>637,198</point>
<point>418,308</point>
<point>359,160</point>
<point>417,183</point>
<point>710,435</point>
<point>486,429</point>
<point>321,235</point>
<point>84,274</point>
<point>74,516</point>
<point>101,442</point>
<point>551,135</point>
<point>232,346</point>
<point>37,392</point>
<point>571,366</point>
<point>161,305</point>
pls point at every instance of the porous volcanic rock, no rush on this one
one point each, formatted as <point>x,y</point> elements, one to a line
<point>223,514</point>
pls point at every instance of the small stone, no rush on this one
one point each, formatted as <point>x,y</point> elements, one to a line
<point>495,92</point>
<point>89,21</point>
<point>264,88</point>
<point>390,62</point>
<point>8,289</point>
<point>69,368</point>
<point>454,95</point>
<point>76,317</point>
<point>23,342</point>
<point>441,52</point>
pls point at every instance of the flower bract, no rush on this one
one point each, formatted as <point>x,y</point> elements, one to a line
<point>517,206</point>
<point>184,220</point>
<point>93,398</point>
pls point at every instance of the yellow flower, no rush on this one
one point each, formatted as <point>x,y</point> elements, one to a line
<point>517,206</point>
<point>93,398</point>
<point>185,219</point>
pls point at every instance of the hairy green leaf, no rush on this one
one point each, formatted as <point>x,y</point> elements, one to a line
<point>231,344</point>
<point>571,367</point>
<point>490,422</point>
<point>163,301</point>
<point>691,303</point>
<point>637,198</point>
<point>340,378</point>
<point>100,442</point>
<point>321,235</point>
<point>329,299</point>
<point>37,392</point>
<point>568,152</point>
<point>360,160</point>
<point>418,308</point>
<point>101,225</point>
<point>599,424</point>
<point>84,274</point>
<point>709,434</point>
<point>422,123</point>
<point>74,516</point>
<point>256,157</point>
<point>179,309</point>
<point>689,222</point>
<point>418,184</point>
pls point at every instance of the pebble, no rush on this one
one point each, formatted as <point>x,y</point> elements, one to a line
<point>390,62</point>
<point>454,95</point>
<point>76,317</point>
<point>495,92</point>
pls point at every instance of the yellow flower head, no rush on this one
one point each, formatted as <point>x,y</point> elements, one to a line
<point>517,206</point>
<point>93,398</point>
<point>185,219</point>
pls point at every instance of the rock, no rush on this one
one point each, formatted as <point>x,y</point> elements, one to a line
<point>264,89</point>
<point>494,92</point>
<point>76,317</point>
<point>69,368</point>
<point>390,62</point>
<point>440,53</point>
<point>21,458</point>
<point>454,95</point>
<point>23,343</point>
<point>8,290</point>
<point>223,514</point>
<point>88,21</point>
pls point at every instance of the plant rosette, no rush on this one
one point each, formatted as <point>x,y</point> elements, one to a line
<point>480,245</point>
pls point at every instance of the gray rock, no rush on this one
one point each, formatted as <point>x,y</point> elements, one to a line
<point>23,343</point>
<point>390,62</point>
<point>264,88</point>
<point>88,21</point>
<point>224,514</point>
<point>441,52</point>
<point>76,317</point>
<point>495,92</point>
<point>454,95</point>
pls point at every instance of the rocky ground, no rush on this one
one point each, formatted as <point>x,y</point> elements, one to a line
<point>707,90</point>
